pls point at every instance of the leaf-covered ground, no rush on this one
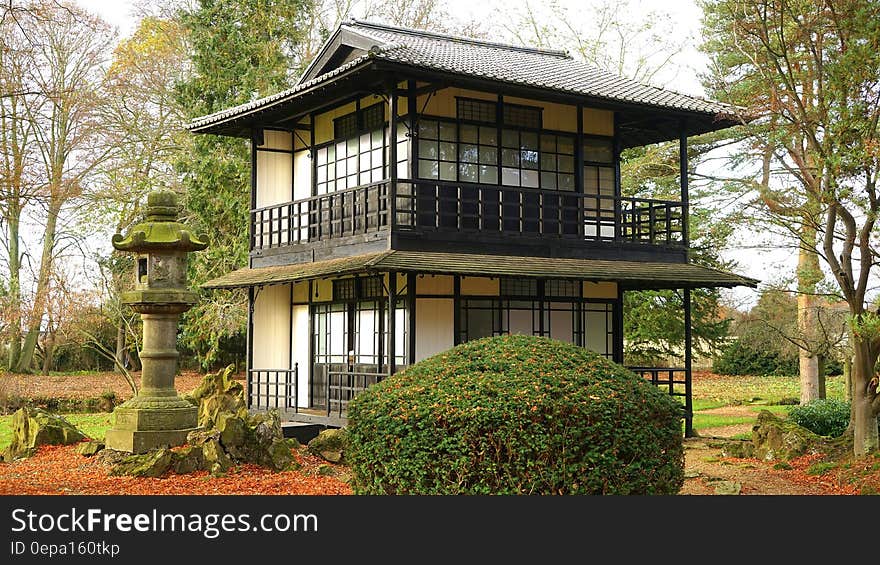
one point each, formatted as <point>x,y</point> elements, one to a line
<point>58,470</point>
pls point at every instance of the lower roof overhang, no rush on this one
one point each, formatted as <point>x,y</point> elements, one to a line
<point>630,275</point>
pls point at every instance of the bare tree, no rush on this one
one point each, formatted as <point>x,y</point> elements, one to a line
<point>70,47</point>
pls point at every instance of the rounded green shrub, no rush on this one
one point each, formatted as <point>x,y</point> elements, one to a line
<point>515,415</point>
<point>823,416</point>
<point>741,358</point>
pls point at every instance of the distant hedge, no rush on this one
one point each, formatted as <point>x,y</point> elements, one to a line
<point>515,415</point>
<point>740,358</point>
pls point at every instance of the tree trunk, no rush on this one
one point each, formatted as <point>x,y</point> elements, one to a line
<point>120,347</point>
<point>48,351</point>
<point>822,390</point>
<point>14,289</point>
<point>808,274</point>
<point>847,376</point>
<point>863,418</point>
<point>41,296</point>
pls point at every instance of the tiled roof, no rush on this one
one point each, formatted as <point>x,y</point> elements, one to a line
<point>539,68</point>
<point>630,274</point>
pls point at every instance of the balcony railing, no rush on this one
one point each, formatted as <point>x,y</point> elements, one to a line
<point>423,206</point>
<point>343,386</point>
<point>273,388</point>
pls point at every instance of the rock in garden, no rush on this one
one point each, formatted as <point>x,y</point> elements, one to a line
<point>188,459</point>
<point>736,448</point>
<point>89,448</point>
<point>778,439</point>
<point>330,445</point>
<point>151,464</point>
<point>33,427</point>
<point>216,459</point>
<point>218,393</point>
<point>280,457</point>
<point>727,487</point>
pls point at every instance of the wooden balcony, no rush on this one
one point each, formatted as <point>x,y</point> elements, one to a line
<point>478,214</point>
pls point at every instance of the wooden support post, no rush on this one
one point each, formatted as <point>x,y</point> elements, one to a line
<point>688,361</point>
<point>392,322</point>
<point>683,173</point>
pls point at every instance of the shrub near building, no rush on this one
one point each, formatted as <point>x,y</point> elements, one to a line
<point>515,415</point>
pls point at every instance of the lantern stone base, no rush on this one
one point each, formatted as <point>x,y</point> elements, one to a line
<point>138,430</point>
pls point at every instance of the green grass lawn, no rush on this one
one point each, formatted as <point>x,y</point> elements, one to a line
<point>702,421</point>
<point>772,392</point>
<point>93,425</point>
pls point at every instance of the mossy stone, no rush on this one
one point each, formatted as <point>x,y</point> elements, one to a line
<point>33,427</point>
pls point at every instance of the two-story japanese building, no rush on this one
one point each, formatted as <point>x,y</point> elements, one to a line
<point>413,191</point>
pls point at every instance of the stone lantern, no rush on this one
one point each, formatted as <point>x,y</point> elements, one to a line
<point>157,416</point>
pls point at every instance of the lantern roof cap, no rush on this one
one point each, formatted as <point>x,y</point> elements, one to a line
<point>160,231</point>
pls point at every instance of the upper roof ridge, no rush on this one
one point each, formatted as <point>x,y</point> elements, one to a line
<point>456,38</point>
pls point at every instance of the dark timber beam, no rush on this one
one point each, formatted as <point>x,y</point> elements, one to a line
<point>392,322</point>
<point>688,361</point>
<point>683,173</point>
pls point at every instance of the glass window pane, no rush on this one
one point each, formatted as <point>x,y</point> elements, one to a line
<point>591,180</point>
<point>447,131</point>
<point>548,143</point>
<point>510,157</point>
<point>479,323</point>
<point>606,180</point>
<point>341,152</point>
<point>467,172</point>
<point>510,138</point>
<point>566,164</point>
<point>322,156</point>
<point>378,138</point>
<point>529,159</point>
<point>565,145</point>
<point>427,129</point>
<point>529,140</point>
<point>468,134</point>
<point>548,180</point>
<point>468,153</point>
<point>489,174</point>
<point>322,173</point>
<point>376,157</point>
<point>447,151</point>
<point>599,150</point>
<point>428,149</point>
<point>510,177</point>
<point>364,161</point>
<point>447,171</point>
<point>331,153</point>
<point>566,182</point>
<point>365,142</point>
<point>488,155</point>
<point>340,169</point>
<point>352,146</point>
<point>428,169</point>
<point>488,136</point>
<point>548,162</point>
<point>595,331</point>
<point>530,178</point>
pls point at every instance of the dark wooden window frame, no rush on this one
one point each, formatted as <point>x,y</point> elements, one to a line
<point>542,306</point>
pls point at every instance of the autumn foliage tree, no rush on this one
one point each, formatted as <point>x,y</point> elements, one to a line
<point>810,72</point>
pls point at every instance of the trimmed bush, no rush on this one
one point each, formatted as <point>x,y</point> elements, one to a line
<point>515,415</point>
<point>824,416</point>
<point>740,358</point>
